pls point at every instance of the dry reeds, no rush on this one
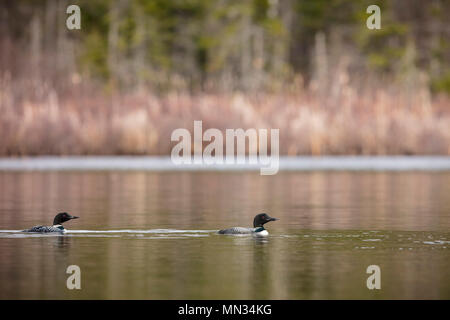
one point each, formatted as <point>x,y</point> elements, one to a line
<point>366,117</point>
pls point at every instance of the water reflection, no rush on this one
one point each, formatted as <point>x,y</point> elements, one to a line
<point>62,242</point>
<point>333,225</point>
<point>401,201</point>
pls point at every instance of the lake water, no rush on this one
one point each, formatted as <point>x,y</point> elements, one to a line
<point>152,235</point>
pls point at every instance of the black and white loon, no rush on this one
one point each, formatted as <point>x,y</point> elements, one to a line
<point>57,224</point>
<point>258,226</point>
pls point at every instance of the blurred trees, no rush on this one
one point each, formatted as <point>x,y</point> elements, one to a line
<point>223,44</point>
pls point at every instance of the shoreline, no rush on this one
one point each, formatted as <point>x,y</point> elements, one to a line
<point>164,163</point>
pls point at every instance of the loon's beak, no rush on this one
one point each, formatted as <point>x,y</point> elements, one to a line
<point>273,219</point>
<point>73,217</point>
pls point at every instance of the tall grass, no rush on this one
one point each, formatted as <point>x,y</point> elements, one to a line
<point>339,116</point>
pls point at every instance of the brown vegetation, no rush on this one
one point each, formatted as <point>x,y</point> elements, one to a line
<point>137,70</point>
<point>335,117</point>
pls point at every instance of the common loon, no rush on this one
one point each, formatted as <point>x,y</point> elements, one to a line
<point>57,224</point>
<point>258,226</point>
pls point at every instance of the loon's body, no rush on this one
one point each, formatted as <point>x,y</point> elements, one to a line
<point>258,227</point>
<point>57,224</point>
<point>45,229</point>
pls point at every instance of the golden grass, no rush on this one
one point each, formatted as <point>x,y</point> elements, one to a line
<point>339,119</point>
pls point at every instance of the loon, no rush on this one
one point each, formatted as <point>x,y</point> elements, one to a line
<point>57,224</point>
<point>258,226</point>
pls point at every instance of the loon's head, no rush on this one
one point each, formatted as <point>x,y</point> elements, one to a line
<point>261,219</point>
<point>63,217</point>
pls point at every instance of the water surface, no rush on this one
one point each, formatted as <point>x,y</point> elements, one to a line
<point>152,235</point>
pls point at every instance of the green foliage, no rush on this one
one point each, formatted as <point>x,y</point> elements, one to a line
<point>248,43</point>
<point>94,56</point>
<point>442,83</point>
<point>260,9</point>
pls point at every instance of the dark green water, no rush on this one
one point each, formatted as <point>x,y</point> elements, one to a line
<point>332,226</point>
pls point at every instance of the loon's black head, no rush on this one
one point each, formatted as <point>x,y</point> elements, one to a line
<point>261,219</point>
<point>63,217</point>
